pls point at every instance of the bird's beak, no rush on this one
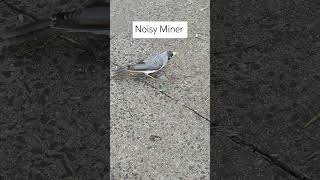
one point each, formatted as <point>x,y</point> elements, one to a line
<point>174,54</point>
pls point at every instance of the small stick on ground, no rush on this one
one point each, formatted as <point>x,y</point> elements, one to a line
<point>312,120</point>
<point>70,40</point>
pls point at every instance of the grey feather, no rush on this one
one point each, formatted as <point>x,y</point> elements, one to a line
<point>149,65</point>
<point>153,63</point>
<point>119,70</point>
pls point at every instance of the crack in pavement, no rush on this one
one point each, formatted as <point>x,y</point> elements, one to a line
<point>172,98</point>
<point>275,161</point>
<point>235,137</point>
<point>179,102</point>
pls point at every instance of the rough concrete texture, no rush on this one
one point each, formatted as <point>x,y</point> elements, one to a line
<point>154,136</point>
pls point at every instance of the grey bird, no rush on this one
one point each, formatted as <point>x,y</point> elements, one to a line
<point>150,65</point>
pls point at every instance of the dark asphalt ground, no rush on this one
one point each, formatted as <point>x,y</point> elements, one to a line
<point>265,85</point>
<point>54,98</point>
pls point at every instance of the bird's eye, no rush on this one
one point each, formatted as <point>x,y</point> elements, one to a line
<point>170,54</point>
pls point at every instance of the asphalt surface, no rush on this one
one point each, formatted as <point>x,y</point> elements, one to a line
<point>265,86</point>
<point>54,98</point>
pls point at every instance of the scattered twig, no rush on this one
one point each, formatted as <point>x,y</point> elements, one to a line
<point>70,40</point>
<point>312,120</point>
<point>313,155</point>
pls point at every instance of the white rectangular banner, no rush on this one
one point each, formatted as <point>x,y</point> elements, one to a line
<point>159,29</point>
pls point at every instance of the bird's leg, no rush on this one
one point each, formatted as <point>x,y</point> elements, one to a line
<point>149,75</point>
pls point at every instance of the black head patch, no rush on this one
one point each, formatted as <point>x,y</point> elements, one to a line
<point>170,54</point>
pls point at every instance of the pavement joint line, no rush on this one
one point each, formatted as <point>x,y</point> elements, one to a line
<point>273,160</point>
<point>214,125</point>
<point>172,98</point>
<point>177,101</point>
<point>235,137</point>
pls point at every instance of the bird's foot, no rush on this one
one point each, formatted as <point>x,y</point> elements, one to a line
<point>150,76</point>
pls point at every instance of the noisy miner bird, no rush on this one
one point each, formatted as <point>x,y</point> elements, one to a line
<point>150,65</point>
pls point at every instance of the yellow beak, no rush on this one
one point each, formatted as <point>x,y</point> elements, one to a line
<point>174,54</point>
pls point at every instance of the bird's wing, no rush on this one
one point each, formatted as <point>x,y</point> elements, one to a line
<point>153,63</point>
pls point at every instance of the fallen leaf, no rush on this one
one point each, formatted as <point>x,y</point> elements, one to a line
<point>162,88</point>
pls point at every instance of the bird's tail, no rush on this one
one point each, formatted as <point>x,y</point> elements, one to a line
<point>120,70</point>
